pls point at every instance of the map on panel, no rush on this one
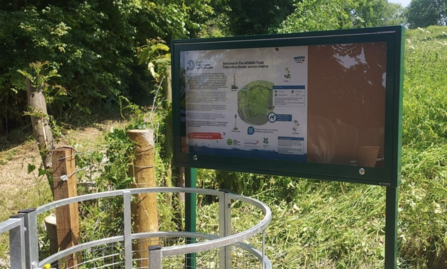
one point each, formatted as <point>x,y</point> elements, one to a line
<point>255,102</point>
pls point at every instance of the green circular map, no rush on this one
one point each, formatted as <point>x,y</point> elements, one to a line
<point>255,102</point>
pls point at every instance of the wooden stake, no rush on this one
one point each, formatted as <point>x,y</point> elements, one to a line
<point>41,128</point>
<point>168,90</point>
<point>67,217</point>
<point>144,208</point>
<point>39,119</point>
<point>181,183</point>
<point>169,137</point>
<point>169,150</point>
<point>169,133</point>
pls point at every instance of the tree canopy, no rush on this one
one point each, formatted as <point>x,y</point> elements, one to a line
<point>257,16</point>
<point>311,15</point>
<point>423,13</point>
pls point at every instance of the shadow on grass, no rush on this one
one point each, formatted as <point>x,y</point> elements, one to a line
<point>18,136</point>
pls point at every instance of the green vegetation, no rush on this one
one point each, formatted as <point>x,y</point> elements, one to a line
<point>424,163</point>
<point>266,16</point>
<point>313,15</point>
<point>256,17</point>
<point>423,13</point>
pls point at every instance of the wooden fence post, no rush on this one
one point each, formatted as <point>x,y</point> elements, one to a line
<point>41,127</point>
<point>144,208</point>
<point>39,119</point>
<point>67,217</point>
<point>168,152</point>
<point>169,136</point>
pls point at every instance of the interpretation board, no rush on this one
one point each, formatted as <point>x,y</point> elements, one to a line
<point>325,105</point>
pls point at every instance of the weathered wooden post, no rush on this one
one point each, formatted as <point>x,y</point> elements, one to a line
<point>144,208</point>
<point>169,140</point>
<point>67,217</point>
<point>169,148</point>
<point>39,119</point>
<point>169,134</point>
<point>41,127</point>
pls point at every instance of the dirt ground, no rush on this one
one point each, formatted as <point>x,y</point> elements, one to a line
<point>20,189</point>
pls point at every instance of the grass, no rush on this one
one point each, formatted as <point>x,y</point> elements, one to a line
<point>424,164</point>
<point>327,225</point>
<point>20,190</point>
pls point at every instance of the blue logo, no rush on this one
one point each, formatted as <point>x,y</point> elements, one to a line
<point>300,59</point>
<point>250,130</point>
<point>191,65</point>
<point>271,117</point>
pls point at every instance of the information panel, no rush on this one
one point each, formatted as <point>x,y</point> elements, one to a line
<point>247,102</point>
<point>322,105</point>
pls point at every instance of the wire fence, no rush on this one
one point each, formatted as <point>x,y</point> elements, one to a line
<point>111,256</point>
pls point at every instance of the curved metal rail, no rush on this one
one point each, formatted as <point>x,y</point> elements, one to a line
<point>214,242</point>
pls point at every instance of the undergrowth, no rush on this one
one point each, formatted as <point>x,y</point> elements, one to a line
<point>423,199</point>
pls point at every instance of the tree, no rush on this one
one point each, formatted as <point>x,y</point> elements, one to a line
<point>377,13</point>
<point>311,15</point>
<point>394,14</point>
<point>423,13</point>
<point>314,15</point>
<point>250,17</point>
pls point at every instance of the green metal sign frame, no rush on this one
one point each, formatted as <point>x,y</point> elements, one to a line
<point>387,175</point>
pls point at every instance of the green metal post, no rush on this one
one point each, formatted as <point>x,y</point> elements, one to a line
<point>190,213</point>
<point>391,228</point>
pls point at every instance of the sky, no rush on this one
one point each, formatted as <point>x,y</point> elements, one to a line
<point>404,3</point>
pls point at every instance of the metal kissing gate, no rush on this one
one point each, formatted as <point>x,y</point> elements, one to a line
<point>174,249</point>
